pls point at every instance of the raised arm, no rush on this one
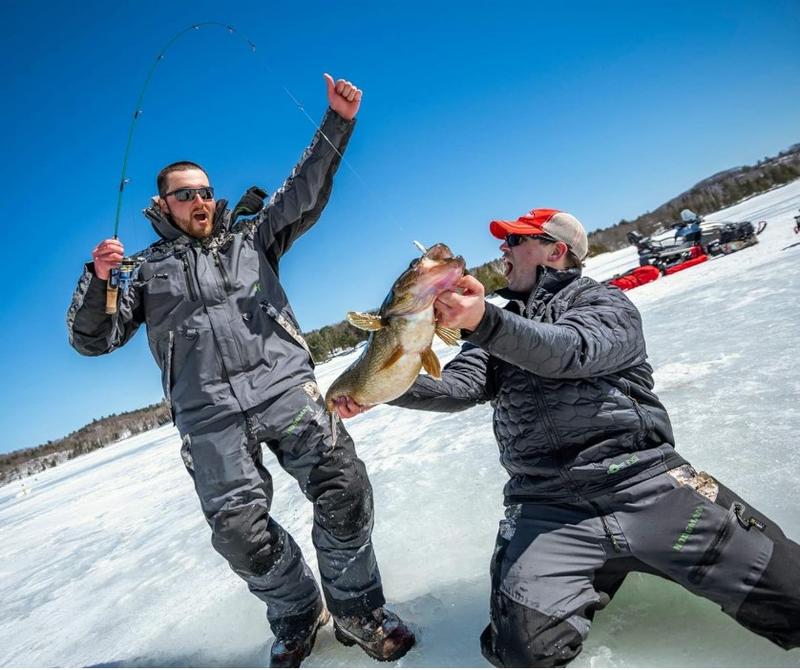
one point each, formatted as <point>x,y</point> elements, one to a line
<point>298,204</point>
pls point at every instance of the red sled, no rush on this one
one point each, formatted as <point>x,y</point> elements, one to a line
<point>686,264</point>
<point>644,274</point>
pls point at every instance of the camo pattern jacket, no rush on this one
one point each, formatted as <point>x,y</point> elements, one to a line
<point>218,322</point>
<point>566,371</point>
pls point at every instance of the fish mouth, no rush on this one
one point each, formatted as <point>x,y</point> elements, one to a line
<point>440,274</point>
<point>453,271</point>
<point>416,290</point>
<point>439,252</point>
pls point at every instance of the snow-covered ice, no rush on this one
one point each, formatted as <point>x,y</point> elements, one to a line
<point>106,559</point>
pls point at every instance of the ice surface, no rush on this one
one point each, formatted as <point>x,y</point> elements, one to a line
<point>106,559</point>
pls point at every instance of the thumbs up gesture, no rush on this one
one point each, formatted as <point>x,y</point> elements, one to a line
<point>343,97</point>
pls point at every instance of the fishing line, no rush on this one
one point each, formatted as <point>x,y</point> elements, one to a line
<point>138,109</point>
<point>121,277</point>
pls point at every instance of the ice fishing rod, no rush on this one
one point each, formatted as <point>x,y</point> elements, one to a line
<point>138,110</point>
<point>121,277</point>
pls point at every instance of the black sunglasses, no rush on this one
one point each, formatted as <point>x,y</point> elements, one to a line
<point>186,194</point>
<point>515,239</point>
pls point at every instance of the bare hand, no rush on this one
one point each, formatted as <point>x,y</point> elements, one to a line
<point>347,408</point>
<point>106,255</point>
<point>343,97</point>
<point>462,308</point>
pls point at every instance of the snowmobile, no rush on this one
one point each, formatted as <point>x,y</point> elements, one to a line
<point>662,254</point>
<point>694,241</point>
<point>709,237</point>
<point>734,236</point>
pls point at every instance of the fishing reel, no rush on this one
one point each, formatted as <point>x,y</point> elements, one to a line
<point>120,280</point>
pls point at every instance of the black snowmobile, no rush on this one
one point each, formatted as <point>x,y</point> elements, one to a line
<point>713,238</point>
<point>660,253</point>
<point>734,236</point>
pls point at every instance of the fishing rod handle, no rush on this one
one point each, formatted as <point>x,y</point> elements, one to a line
<point>111,298</point>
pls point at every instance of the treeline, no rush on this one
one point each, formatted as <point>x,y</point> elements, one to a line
<point>716,192</point>
<point>329,340</point>
<point>95,435</point>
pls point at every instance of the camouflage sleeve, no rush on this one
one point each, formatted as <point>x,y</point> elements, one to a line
<point>297,205</point>
<point>465,382</point>
<point>91,331</point>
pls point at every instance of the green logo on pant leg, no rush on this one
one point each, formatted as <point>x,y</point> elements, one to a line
<point>298,418</point>
<point>614,468</point>
<point>684,536</point>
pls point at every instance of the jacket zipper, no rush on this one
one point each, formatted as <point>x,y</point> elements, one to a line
<point>286,324</point>
<point>542,406</point>
<point>168,372</point>
<point>225,280</point>
<point>549,432</point>
<point>188,274</point>
<point>626,389</point>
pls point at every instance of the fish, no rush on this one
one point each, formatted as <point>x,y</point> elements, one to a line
<point>401,333</point>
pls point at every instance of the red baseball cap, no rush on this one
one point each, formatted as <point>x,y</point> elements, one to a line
<point>551,222</point>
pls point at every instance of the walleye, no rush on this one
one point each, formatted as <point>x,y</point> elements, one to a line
<point>401,333</point>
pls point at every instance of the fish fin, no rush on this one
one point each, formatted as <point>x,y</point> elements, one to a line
<point>365,321</point>
<point>449,335</point>
<point>396,354</point>
<point>430,361</point>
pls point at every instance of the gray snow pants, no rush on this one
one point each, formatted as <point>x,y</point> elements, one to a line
<point>554,565</point>
<point>235,492</point>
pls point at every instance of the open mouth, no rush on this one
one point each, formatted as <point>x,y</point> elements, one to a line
<point>200,216</point>
<point>509,266</point>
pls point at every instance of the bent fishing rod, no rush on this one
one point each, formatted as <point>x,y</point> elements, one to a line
<point>121,277</point>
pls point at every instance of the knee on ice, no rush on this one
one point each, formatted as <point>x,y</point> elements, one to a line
<point>522,637</point>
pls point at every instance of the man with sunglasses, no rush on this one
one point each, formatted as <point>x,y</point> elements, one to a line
<point>596,488</point>
<point>237,373</point>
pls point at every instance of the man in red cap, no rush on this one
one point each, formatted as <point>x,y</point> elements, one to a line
<point>596,489</point>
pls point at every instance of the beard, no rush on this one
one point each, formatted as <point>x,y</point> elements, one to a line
<point>200,221</point>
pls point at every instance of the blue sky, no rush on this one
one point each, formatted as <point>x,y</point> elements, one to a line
<point>471,111</point>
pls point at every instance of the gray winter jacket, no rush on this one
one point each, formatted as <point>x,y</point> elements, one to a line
<point>218,321</point>
<point>565,369</point>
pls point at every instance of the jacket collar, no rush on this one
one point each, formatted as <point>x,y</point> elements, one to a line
<point>549,281</point>
<point>167,230</point>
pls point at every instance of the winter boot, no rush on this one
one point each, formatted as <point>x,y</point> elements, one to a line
<point>289,650</point>
<point>380,633</point>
